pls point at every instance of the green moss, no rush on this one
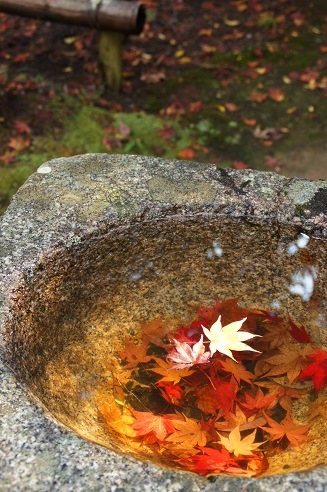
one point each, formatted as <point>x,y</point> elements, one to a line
<point>86,130</point>
<point>11,178</point>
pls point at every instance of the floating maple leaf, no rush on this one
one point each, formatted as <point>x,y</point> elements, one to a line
<point>259,400</point>
<point>238,446</point>
<point>316,369</point>
<point>227,338</point>
<point>154,331</point>
<point>319,407</point>
<point>220,398</point>
<point>238,418</point>
<point>186,356</point>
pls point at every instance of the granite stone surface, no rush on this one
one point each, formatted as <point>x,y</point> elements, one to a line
<point>70,199</point>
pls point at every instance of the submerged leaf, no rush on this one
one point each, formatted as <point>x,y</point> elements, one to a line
<point>292,432</point>
<point>146,423</point>
<point>238,446</point>
<point>316,369</point>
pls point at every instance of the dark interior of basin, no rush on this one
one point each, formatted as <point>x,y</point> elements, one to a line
<point>72,315</point>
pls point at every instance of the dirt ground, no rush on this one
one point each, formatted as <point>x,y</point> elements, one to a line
<point>240,83</point>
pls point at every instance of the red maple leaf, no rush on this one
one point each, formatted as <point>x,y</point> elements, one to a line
<point>157,425</point>
<point>171,392</point>
<point>212,460</point>
<point>299,334</point>
<point>190,333</point>
<point>21,126</point>
<point>167,132</point>
<point>221,399</point>
<point>316,369</point>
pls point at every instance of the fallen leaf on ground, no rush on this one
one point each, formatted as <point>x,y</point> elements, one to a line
<point>186,154</point>
<point>239,165</point>
<point>276,94</point>
<point>274,162</point>
<point>257,96</point>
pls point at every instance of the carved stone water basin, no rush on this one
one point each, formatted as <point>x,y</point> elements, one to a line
<point>91,246</point>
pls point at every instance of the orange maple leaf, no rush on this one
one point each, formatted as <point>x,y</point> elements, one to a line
<point>276,334</point>
<point>147,423</point>
<point>259,400</point>
<point>221,398</point>
<point>237,370</point>
<point>187,432</point>
<point>290,360</point>
<point>134,354</point>
<point>169,374</point>
<point>245,422</point>
<point>154,331</point>
<point>287,428</point>
<point>319,407</point>
<point>283,394</point>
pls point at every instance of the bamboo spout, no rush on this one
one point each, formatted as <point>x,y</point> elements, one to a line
<point>116,15</point>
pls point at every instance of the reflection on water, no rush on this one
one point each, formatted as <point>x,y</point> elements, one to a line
<point>216,250</point>
<point>303,282</point>
<point>301,242</point>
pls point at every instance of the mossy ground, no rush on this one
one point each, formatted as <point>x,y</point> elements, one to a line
<point>228,129</point>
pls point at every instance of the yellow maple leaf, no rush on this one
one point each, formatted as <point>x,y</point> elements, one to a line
<point>238,446</point>
<point>227,338</point>
<point>119,419</point>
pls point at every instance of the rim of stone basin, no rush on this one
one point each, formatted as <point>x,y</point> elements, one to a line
<point>69,199</point>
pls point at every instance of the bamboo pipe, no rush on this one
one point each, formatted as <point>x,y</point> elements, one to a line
<point>116,15</point>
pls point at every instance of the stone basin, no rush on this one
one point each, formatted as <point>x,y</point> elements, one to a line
<point>92,245</point>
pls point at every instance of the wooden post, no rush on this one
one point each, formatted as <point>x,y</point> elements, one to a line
<point>110,55</point>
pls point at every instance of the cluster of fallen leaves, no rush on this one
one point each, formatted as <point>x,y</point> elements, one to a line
<point>206,401</point>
